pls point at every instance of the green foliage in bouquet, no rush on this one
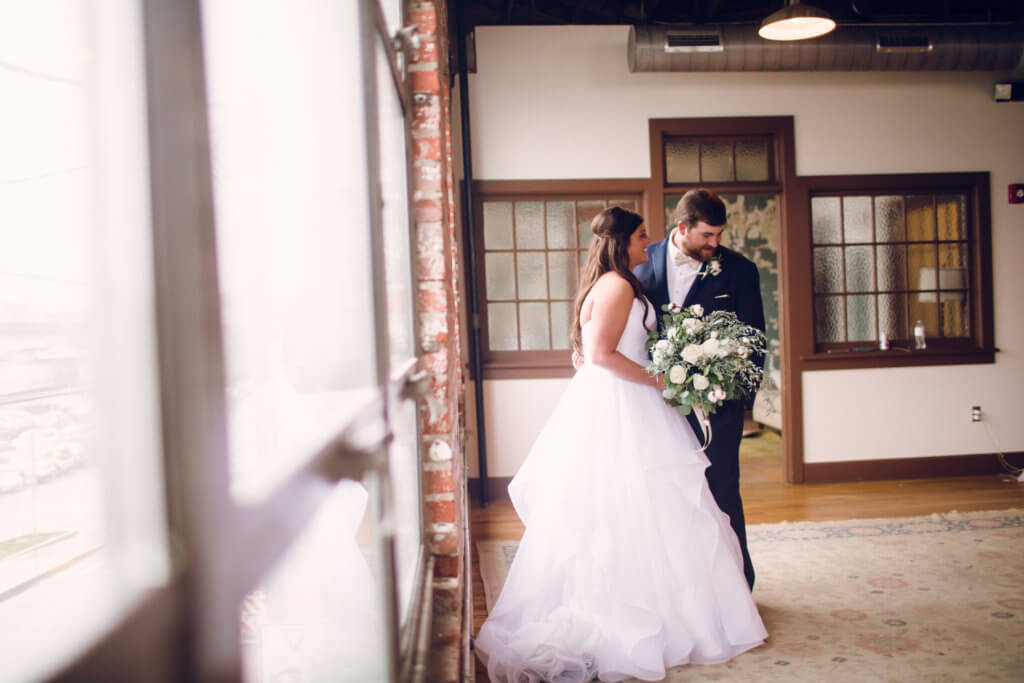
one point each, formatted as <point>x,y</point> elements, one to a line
<point>705,360</point>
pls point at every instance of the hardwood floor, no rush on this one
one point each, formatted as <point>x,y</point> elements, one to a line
<point>767,499</point>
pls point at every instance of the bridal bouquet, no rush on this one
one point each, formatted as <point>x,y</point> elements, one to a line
<point>705,360</point>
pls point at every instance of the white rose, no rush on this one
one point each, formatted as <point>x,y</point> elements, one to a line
<point>663,345</point>
<point>697,310</point>
<point>710,348</point>
<point>691,354</point>
<point>658,358</point>
<point>692,325</point>
<point>700,382</point>
<point>677,375</point>
<point>670,333</point>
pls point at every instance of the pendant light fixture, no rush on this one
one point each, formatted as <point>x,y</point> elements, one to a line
<point>796,21</point>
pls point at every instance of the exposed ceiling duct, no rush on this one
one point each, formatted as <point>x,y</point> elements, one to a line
<point>894,47</point>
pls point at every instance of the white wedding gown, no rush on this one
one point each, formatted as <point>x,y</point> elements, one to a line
<point>627,566</point>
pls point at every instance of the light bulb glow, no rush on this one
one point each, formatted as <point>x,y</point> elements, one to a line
<point>796,22</point>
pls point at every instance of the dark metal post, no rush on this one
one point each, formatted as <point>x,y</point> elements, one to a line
<point>472,295</point>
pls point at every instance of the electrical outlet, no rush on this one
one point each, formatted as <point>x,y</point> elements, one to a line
<point>975,413</point>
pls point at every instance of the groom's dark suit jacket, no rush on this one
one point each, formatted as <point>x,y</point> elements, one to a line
<point>736,288</point>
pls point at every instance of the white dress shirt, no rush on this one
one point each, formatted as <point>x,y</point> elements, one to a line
<point>679,277</point>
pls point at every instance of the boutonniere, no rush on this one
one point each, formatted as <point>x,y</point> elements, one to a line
<point>713,266</point>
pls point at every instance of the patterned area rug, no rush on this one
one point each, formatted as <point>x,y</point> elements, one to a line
<point>938,598</point>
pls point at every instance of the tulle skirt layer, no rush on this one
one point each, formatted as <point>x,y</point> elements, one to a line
<point>627,567</point>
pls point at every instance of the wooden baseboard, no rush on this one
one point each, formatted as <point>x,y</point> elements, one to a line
<point>853,470</point>
<point>497,488</point>
<point>907,468</point>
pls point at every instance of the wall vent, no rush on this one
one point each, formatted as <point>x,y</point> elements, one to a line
<point>676,41</point>
<point>903,42</point>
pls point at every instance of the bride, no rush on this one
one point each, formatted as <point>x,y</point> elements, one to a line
<point>627,567</point>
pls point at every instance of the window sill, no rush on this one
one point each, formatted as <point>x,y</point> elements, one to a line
<point>894,358</point>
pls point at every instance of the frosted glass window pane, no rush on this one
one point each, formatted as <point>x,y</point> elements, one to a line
<point>682,164</point>
<point>403,455</point>
<point>562,274</point>
<point>951,212</point>
<point>498,225</point>
<point>583,263</point>
<point>395,215</point>
<point>860,269</point>
<point>499,270</point>
<point>629,204</point>
<point>82,520</point>
<point>751,160</point>
<point>825,223</point>
<point>860,318</point>
<point>533,326</point>
<point>293,242</point>
<point>921,259</point>
<point>559,224</point>
<point>952,266</point>
<point>561,319</point>
<point>828,319</point>
<point>585,212</point>
<point>920,218</point>
<point>955,319</point>
<point>502,328</point>
<point>716,162</point>
<point>828,269</point>
<point>890,224</point>
<point>892,316</point>
<point>857,219</point>
<point>926,310</point>
<point>532,275</point>
<point>892,267</point>
<point>406,473</point>
<point>529,225</point>
<point>291,623</point>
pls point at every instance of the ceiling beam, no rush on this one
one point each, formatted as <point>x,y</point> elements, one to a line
<point>650,10</point>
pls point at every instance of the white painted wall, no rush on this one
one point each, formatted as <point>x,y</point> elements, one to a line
<point>559,102</point>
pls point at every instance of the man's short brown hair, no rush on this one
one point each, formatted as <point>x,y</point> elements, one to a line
<point>700,205</point>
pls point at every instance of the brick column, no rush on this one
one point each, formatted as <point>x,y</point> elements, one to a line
<point>437,261</point>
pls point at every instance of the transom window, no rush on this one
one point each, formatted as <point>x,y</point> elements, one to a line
<point>716,160</point>
<point>534,250</point>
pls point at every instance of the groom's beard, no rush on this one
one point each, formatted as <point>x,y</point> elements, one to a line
<point>702,254</point>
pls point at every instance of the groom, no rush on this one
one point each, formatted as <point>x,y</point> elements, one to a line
<point>691,267</point>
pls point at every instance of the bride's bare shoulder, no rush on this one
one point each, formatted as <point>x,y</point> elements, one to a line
<point>613,284</point>
<point>611,289</point>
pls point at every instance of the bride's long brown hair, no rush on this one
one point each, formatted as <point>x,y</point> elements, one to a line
<point>609,250</point>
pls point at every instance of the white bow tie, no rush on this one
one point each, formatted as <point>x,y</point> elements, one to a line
<point>680,257</point>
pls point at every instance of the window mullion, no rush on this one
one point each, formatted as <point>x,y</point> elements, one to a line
<point>201,514</point>
<point>376,481</point>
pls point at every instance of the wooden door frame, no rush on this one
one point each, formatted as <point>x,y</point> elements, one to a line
<point>792,214</point>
